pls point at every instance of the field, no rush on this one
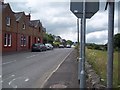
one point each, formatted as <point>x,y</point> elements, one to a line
<point>98,60</point>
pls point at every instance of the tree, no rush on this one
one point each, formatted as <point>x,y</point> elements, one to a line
<point>48,38</point>
<point>69,42</point>
<point>117,40</point>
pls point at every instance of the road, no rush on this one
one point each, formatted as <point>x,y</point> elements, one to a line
<point>31,69</point>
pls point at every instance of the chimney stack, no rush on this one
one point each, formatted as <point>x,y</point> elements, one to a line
<point>28,17</point>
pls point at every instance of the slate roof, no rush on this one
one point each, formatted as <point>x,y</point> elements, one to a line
<point>35,23</point>
<point>18,15</point>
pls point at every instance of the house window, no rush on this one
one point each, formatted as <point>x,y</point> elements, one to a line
<point>23,25</point>
<point>39,29</point>
<point>38,40</point>
<point>21,40</point>
<point>24,41</point>
<point>7,40</point>
<point>8,21</point>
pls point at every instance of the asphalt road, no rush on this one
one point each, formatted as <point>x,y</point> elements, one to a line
<point>31,69</point>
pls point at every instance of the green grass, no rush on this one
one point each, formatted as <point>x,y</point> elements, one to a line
<point>98,60</point>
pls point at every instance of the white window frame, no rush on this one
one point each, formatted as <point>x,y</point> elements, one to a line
<point>8,21</point>
<point>5,39</point>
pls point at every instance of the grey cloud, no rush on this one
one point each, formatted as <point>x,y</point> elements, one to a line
<point>97,41</point>
<point>93,39</point>
<point>22,6</point>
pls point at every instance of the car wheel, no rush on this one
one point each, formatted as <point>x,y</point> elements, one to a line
<point>40,50</point>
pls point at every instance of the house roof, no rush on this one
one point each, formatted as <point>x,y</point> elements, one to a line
<point>35,23</point>
<point>18,15</point>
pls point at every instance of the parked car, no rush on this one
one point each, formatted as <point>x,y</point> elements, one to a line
<point>36,47</point>
<point>61,46</point>
<point>49,46</point>
<point>43,47</point>
<point>68,46</point>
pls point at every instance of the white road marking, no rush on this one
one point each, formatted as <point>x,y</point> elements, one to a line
<point>54,70</point>
<point>26,80</point>
<point>31,56</point>
<point>11,83</point>
<point>12,75</point>
<point>8,78</point>
<point>0,76</point>
<point>8,62</point>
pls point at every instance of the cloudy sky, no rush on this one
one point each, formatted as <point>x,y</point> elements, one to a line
<point>57,18</point>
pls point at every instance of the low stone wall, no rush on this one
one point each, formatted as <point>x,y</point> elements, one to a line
<point>93,80</point>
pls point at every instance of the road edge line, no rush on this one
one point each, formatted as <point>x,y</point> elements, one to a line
<point>42,86</point>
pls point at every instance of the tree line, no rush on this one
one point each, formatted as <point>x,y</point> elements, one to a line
<point>104,47</point>
<point>49,38</point>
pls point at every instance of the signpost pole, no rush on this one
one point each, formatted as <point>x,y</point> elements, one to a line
<point>78,36</point>
<point>110,45</point>
<point>78,48</point>
<point>82,78</point>
<point>80,59</point>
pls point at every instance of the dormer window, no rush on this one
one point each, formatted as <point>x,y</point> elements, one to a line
<point>8,21</point>
<point>23,25</point>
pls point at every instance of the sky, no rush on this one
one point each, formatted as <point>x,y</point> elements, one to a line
<point>57,18</point>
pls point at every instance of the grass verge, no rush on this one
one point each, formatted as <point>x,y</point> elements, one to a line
<point>98,60</point>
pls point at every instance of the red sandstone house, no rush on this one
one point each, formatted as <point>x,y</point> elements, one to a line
<point>18,31</point>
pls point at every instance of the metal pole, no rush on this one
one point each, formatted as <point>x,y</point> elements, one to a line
<point>78,51</point>
<point>80,59</point>
<point>82,78</point>
<point>78,35</point>
<point>110,45</point>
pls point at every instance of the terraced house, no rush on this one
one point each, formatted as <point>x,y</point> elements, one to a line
<point>19,32</point>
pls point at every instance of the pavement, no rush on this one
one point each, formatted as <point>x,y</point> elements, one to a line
<point>66,76</point>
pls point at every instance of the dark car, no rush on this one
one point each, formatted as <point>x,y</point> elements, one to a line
<point>36,47</point>
<point>43,47</point>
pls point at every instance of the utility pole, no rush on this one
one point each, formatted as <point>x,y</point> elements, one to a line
<point>110,44</point>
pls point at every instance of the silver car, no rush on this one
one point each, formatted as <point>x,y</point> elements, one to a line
<point>49,46</point>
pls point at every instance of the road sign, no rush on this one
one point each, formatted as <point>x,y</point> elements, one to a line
<point>76,6</point>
